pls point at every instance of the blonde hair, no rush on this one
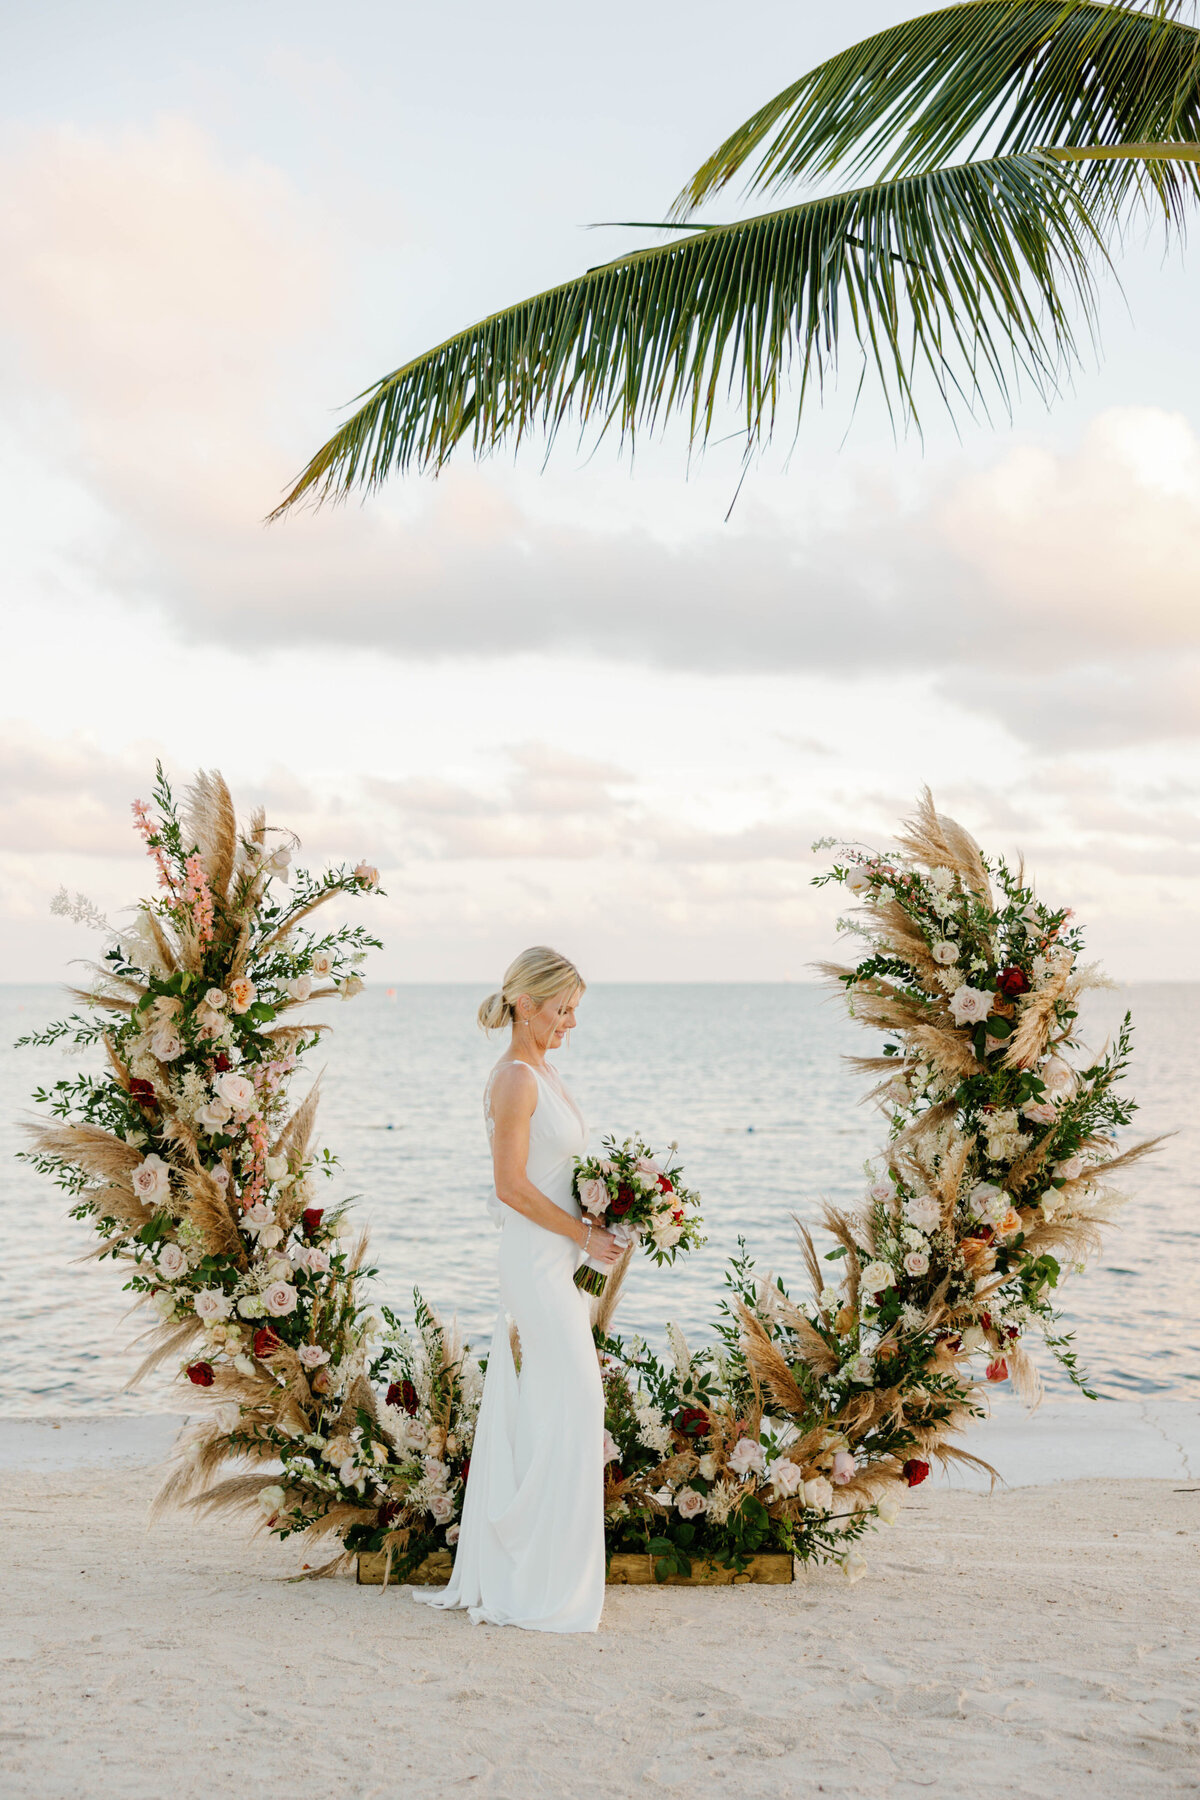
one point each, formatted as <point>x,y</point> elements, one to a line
<point>541,974</point>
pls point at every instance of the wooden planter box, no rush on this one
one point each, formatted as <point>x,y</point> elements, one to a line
<point>774,1569</point>
<point>433,1572</point>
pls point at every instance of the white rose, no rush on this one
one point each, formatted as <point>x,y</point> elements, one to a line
<point>212,1304</point>
<point>171,1261</point>
<point>854,1566</point>
<point>881,1192</point>
<point>1070,1170</point>
<point>665,1232</point>
<point>322,962</point>
<point>312,1356</point>
<point>301,987</point>
<point>256,1216</point>
<point>279,1299</point>
<point>690,1503</point>
<point>923,1212</point>
<point>945,954</point>
<point>747,1456</point>
<point>818,1494</point>
<point>708,1467</point>
<point>212,1115</point>
<point>968,1005</point>
<point>858,881</point>
<point>888,1509</point>
<point>352,985</point>
<point>166,1044</point>
<point>244,1364</point>
<point>442,1508</point>
<point>452,1534</point>
<point>275,1167</point>
<point>875,1277</point>
<point>279,862</point>
<point>917,1262</point>
<point>859,1369</point>
<point>152,1181</point>
<point>1058,1076</point>
<point>271,1499</point>
<point>269,1237</point>
<point>787,1476</point>
<point>593,1196</point>
<point>316,1261</point>
<point>236,1092</point>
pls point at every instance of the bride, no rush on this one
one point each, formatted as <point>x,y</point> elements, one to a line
<point>531,1547</point>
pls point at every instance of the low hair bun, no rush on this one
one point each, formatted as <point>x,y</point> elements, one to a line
<point>495,1013</point>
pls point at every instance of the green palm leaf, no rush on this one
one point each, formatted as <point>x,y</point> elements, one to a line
<point>972,272</point>
<point>1018,75</point>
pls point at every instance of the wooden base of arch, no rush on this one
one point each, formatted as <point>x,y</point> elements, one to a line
<point>772,1570</point>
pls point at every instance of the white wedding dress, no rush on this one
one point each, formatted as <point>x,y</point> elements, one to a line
<point>531,1547</point>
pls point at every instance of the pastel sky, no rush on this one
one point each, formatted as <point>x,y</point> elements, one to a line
<point>569,703</point>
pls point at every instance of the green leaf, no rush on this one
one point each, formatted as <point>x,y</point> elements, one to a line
<point>971,273</point>
<point>1018,75</point>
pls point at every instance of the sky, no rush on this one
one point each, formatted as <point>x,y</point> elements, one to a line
<point>565,701</point>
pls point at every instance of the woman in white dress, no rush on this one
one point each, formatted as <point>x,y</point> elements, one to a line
<point>531,1547</point>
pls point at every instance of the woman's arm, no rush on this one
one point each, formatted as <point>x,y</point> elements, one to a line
<point>514,1097</point>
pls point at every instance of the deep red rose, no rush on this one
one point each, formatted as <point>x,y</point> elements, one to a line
<point>997,1369</point>
<point>142,1091</point>
<point>312,1216</point>
<point>677,1218</point>
<point>915,1471</point>
<point>1012,1332</point>
<point>201,1373</point>
<point>387,1512</point>
<point>1012,982</point>
<point>266,1342</point>
<point>623,1201</point>
<point>665,1185</point>
<point>221,1063</point>
<point>692,1421</point>
<point>403,1393</point>
<point>466,1469</point>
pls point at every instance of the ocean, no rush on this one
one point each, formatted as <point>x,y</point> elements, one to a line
<point>749,1079</point>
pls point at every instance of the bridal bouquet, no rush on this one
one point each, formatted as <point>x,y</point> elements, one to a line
<point>639,1199</point>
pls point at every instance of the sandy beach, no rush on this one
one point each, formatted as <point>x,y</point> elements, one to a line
<point>1038,1641</point>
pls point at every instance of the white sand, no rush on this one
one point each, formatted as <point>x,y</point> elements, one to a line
<point>1041,1642</point>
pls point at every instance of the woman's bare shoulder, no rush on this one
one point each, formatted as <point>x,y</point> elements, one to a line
<point>513,1084</point>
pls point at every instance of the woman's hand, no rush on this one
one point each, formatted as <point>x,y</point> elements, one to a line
<point>602,1247</point>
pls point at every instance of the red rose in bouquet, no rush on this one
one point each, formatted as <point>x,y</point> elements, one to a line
<point>915,1470</point>
<point>404,1394</point>
<point>1012,982</point>
<point>691,1421</point>
<point>622,1203</point>
<point>201,1373</point>
<point>142,1092</point>
<point>311,1217</point>
<point>266,1342</point>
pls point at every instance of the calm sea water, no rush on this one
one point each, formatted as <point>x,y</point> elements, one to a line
<point>750,1081</point>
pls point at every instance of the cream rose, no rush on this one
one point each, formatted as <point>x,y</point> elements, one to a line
<point>352,985</point>
<point>300,987</point>
<point>166,1044</point>
<point>593,1196</point>
<point>236,1092</point>
<point>922,1212</point>
<point>945,954</point>
<point>968,1005</point>
<point>612,1450</point>
<point>818,1494</point>
<point>916,1262</point>
<point>212,1304</point>
<point>275,1168</point>
<point>271,1499</point>
<point>322,962</point>
<point>876,1276</point>
<point>442,1508</point>
<point>708,1467</point>
<point>747,1455</point>
<point>152,1181</point>
<point>860,1369</point>
<point>690,1503</point>
<point>213,1115</point>
<point>312,1356</point>
<point>888,1508</point>
<point>258,1215</point>
<point>171,1261</point>
<point>844,1466</point>
<point>365,871</point>
<point>853,1566</point>
<point>279,1299</point>
<point>1058,1076</point>
<point>788,1477</point>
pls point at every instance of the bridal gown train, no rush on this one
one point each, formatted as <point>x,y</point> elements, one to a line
<point>531,1546</point>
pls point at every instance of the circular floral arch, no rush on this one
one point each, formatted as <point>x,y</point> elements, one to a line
<point>795,1429</point>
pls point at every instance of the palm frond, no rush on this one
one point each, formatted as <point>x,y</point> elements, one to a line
<point>972,273</point>
<point>1014,75</point>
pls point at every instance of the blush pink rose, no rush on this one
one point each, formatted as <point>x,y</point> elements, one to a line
<point>593,1196</point>
<point>279,1299</point>
<point>844,1466</point>
<point>690,1503</point>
